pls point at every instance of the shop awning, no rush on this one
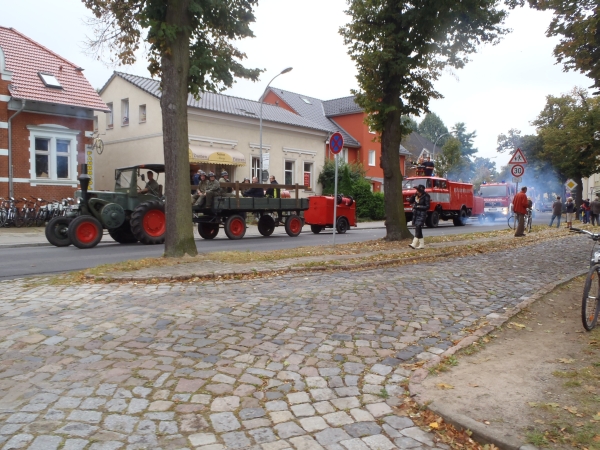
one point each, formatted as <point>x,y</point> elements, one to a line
<point>210,155</point>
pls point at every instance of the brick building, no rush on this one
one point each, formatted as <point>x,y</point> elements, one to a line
<point>345,116</point>
<point>46,119</point>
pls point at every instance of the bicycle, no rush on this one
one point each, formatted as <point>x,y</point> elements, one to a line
<point>97,144</point>
<point>512,221</point>
<point>590,306</point>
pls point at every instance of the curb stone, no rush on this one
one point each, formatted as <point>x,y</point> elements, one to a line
<point>481,433</point>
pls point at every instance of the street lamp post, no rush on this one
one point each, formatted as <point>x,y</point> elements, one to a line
<point>438,138</point>
<point>260,161</point>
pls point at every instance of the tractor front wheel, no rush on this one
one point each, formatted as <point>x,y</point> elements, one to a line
<point>293,225</point>
<point>57,231</point>
<point>148,223</point>
<point>266,225</point>
<point>85,231</point>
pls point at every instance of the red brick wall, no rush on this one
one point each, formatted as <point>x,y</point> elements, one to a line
<point>21,155</point>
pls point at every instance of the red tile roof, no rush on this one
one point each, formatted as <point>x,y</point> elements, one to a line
<point>25,58</point>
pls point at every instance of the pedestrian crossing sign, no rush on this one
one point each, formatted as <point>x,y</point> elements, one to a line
<point>518,158</point>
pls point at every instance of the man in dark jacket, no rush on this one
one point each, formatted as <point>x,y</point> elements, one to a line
<point>595,210</point>
<point>273,193</point>
<point>254,192</point>
<point>420,202</point>
<point>556,212</point>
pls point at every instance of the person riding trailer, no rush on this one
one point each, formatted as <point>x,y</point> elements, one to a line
<point>201,191</point>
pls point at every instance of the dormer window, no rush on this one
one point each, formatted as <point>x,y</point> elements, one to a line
<point>50,80</point>
<point>305,100</point>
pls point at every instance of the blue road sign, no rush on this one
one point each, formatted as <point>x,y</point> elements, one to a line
<point>336,142</point>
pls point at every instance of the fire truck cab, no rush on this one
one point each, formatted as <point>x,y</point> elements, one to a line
<point>497,198</point>
<point>450,200</point>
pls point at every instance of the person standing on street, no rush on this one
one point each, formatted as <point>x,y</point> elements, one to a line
<point>420,202</point>
<point>556,212</point>
<point>595,210</point>
<point>520,204</point>
<point>570,211</point>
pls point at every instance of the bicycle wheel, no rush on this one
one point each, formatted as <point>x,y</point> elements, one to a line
<point>511,222</point>
<point>589,305</point>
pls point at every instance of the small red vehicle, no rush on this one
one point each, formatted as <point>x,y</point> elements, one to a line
<point>450,200</point>
<point>319,214</point>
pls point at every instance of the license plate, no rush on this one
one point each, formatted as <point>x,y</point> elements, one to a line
<point>491,209</point>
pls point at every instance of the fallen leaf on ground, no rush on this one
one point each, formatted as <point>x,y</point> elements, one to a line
<point>434,425</point>
<point>566,360</point>
<point>518,325</point>
<point>444,386</point>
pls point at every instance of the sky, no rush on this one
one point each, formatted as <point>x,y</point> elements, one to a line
<point>503,87</point>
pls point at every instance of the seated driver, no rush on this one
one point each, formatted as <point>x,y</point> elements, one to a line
<point>151,185</point>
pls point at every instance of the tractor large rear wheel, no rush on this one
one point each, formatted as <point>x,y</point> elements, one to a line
<point>85,231</point>
<point>123,234</point>
<point>148,223</point>
<point>57,231</point>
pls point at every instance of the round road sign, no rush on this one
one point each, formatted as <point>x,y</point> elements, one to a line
<point>336,142</point>
<point>517,170</point>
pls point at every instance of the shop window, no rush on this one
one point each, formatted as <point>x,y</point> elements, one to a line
<point>289,172</point>
<point>308,169</point>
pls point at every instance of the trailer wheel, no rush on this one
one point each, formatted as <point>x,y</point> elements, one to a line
<point>57,231</point>
<point>316,228</point>
<point>266,225</point>
<point>148,223</point>
<point>461,220</point>
<point>208,230</point>
<point>235,227</point>
<point>342,225</point>
<point>85,231</point>
<point>433,219</point>
<point>293,225</point>
<point>123,234</point>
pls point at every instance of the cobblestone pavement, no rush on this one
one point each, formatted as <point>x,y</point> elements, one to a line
<point>293,362</point>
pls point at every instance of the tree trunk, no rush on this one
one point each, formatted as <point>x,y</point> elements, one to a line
<point>395,219</point>
<point>175,65</point>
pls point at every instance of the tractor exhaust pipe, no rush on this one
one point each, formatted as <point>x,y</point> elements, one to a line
<point>84,181</point>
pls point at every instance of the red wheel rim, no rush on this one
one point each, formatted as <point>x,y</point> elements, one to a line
<point>86,232</point>
<point>213,231</point>
<point>236,226</point>
<point>155,223</point>
<point>295,225</point>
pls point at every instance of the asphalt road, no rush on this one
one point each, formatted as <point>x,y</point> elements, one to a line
<point>27,261</point>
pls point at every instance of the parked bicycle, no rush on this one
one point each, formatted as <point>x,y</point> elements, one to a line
<point>590,307</point>
<point>512,221</point>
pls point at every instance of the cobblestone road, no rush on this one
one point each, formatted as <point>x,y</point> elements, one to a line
<point>298,362</point>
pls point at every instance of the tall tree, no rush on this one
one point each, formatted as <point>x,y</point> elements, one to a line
<point>466,139</point>
<point>400,48</point>
<point>578,25</point>
<point>432,127</point>
<point>190,49</point>
<point>450,163</point>
<point>566,127</point>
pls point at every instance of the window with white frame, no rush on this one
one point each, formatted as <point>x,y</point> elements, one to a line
<point>125,112</point>
<point>142,113</point>
<point>53,154</point>
<point>344,154</point>
<point>95,123</point>
<point>109,116</point>
<point>255,167</point>
<point>372,157</point>
<point>288,174</point>
<point>308,176</point>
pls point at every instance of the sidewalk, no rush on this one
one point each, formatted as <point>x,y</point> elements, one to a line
<point>297,361</point>
<point>33,237</point>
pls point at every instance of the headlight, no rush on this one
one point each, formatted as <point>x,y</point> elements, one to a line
<point>505,211</point>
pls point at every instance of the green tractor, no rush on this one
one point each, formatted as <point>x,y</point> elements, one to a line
<point>130,214</point>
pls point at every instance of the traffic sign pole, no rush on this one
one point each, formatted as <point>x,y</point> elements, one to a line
<point>336,144</point>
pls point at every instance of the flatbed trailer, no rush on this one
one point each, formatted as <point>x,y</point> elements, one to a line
<point>229,212</point>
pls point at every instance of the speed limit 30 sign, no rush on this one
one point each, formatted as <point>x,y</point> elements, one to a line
<point>517,170</point>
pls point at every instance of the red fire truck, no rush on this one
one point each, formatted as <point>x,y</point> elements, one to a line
<point>450,200</point>
<point>497,199</point>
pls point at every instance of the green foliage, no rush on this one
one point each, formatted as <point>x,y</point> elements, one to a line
<point>484,169</point>
<point>211,26</point>
<point>432,127</point>
<point>466,139</point>
<point>578,25</point>
<point>347,175</point>
<point>450,163</point>
<point>410,123</point>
